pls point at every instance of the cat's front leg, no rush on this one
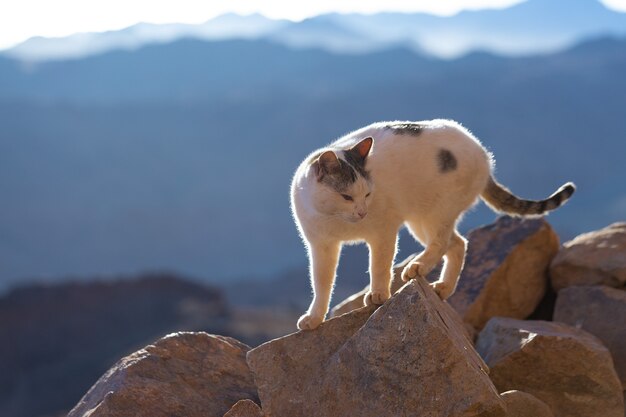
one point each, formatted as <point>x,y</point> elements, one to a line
<point>323,258</point>
<point>382,253</point>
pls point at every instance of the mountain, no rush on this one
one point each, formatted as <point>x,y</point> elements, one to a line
<point>227,26</point>
<point>179,156</point>
<point>57,340</point>
<point>530,27</point>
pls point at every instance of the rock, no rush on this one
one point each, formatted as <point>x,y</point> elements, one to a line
<point>407,358</point>
<point>601,311</point>
<point>245,408</point>
<point>594,258</point>
<point>182,374</point>
<point>567,368</point>
<point>522,404</point>
<point>505,271</point>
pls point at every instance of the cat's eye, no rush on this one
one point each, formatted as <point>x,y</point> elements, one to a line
<point>367,195</point>
<point>346,197</point>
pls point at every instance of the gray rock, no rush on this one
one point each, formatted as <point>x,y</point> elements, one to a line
<point>601,311</point>
<point>407,358</point>
<point>567,368</point>
<point>594,258</point>
<point>182,374</point>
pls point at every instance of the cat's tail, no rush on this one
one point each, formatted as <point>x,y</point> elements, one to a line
<point>500,199</point>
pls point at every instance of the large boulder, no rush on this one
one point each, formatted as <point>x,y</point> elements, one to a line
<point>407,358</point>
<point>594,258</point>
<point>182,374</point>
<point>505,273</point>
<point>601,311</point>
<point>567,368</point>
<point>522,404</point>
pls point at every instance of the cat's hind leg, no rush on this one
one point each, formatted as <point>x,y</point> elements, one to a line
<point>452,266</point>
<point>436,240</point>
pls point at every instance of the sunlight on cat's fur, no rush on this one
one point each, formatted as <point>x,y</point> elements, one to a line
<point>367,184</point>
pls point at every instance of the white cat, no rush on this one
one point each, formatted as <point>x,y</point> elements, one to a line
<point>369,183</point>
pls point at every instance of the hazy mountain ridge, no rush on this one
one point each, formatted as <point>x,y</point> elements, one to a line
<point>526,28</point>
<point>162,159</point>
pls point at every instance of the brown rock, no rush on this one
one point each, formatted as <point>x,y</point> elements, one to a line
<point>601,311</point>
<point>245,408</point>
<point>567,368</point>
<point>505,271</point>
<point>407,358</point>
<point>594,258</point>
<point>182,374</point>
<point>522,404</point>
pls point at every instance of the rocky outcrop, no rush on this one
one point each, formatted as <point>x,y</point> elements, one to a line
<point>601,311</point>
<point>567,368</point>
<point>183,374</point>
<point>409,357</point>
<point>505,272</point>
<point>594,258</point>
<point>522,404</point>
<point>244,408</point>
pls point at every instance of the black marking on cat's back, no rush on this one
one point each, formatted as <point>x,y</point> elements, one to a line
<point>446,160</point>
<point>406,128</point>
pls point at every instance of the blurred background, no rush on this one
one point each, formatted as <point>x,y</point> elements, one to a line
<point>146,152</point>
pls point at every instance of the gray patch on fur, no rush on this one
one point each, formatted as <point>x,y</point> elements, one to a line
<point>447,161</point>
<point>406,128</point>
<point>357,162</point>
<point>341,178</point>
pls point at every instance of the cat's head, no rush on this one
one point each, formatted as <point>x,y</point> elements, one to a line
<point>343,187</point>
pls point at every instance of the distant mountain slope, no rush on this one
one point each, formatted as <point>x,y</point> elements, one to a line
<point>527,28</point>
<point>180,156</point>
<point>58,340</point>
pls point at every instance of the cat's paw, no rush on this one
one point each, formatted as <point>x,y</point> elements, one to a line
<point>376,297</point>
<point>443,289</point>
<point>412,270</point>
<point>309,322</point>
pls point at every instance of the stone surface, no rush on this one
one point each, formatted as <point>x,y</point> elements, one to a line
<point>594,258</point>
<point>407,358</point>
<point>522,404</point>
<point>601,311</point>
<point>505,272</point>
<point>182,374</point>
<point>244,408</point>
<point>567,368</point>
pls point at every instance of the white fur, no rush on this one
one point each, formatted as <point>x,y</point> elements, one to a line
<point>407,187</point>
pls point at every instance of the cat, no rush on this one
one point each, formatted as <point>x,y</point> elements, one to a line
<point>367,184</point>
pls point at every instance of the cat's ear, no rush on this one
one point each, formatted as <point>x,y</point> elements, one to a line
<point>362,149</point>
<point>325,164</point>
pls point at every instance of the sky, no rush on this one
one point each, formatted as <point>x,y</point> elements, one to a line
<point>22,19</point>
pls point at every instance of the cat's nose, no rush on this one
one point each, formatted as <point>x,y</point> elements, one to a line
<point>362,214</point>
